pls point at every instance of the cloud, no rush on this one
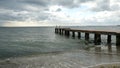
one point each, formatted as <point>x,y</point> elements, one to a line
<point>70,3</point>
<point>62,12</point>
<point>102,5</point>
<point>59,10</point>
<point>42,3</point>
<point>11,5</point>
<point>106,5</point>
<point>12,16</point>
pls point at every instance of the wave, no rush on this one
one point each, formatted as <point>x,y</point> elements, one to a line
<point>106,65</point>
<point>70,59</point>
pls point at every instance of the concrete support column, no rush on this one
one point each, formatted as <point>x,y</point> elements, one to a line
<point>118,39</point>
<point>87,36</point>
<point>60,31</point>
<point>79,35</point>
<point>118,43</point>
<point>67,33</point>
<point>108,39</point>
<point>97,39</point>
<point>56,30</point>
<point>73,34</point>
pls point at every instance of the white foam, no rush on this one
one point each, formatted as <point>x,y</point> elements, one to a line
<point>73,59</point>
<point>106,65</point>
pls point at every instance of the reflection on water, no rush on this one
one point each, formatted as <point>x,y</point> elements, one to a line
<point>97,49</point>
<point>109,48</point>
<point>118,49</point>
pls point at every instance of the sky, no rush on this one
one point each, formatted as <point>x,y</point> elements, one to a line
<point>59,12</point>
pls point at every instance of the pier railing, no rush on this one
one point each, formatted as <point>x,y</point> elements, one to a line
<point>97,34</point>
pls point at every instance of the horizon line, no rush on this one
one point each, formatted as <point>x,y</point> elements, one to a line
<point>60,26</point>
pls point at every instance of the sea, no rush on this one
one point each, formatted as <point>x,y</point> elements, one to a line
<point>41,47</point>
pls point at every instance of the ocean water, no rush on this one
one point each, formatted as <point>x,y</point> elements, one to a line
<point>40,47</point>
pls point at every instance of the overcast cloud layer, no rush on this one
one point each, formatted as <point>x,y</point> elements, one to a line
<point>59,12</point>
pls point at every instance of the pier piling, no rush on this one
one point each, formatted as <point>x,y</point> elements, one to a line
<point>60,31</point>
<point>86,36</point>
<point>97,39</point>
<point>56,30</point>
<point>73,34</point>
<point>79,35</point>
<point>117,39</point>
<point>108,39</point>
<point>67,33</point>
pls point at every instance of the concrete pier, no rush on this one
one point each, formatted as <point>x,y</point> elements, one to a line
<point>97,34</point>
